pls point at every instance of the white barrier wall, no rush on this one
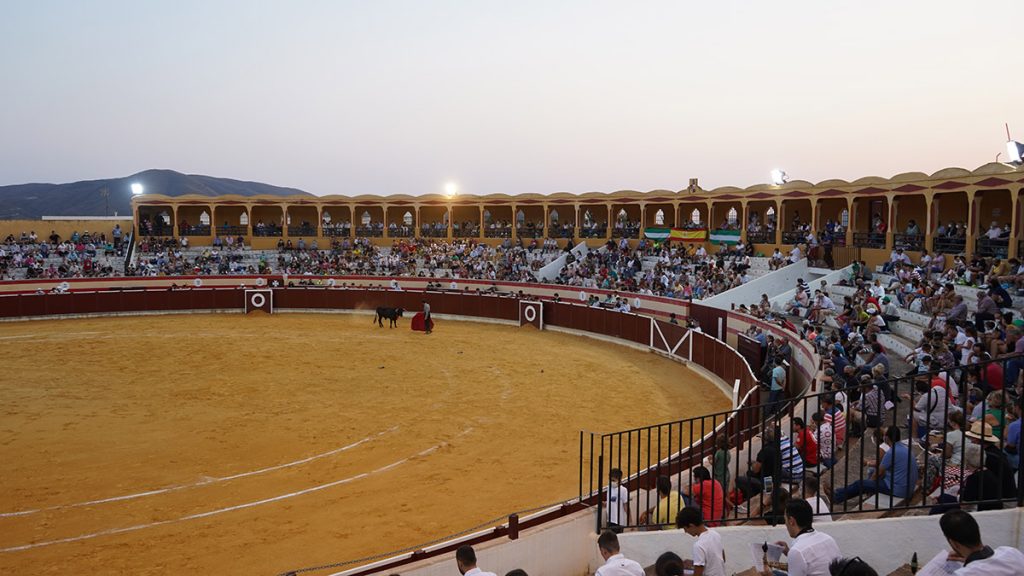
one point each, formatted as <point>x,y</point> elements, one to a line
<point>566,547</point>
<point>550,271</point>
<point>772,284</point>
<point>832,278</point>
<point>885,544</point>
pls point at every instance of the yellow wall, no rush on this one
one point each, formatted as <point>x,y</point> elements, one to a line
<point>63,227</point>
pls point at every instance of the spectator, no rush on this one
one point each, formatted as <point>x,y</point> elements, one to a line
<point>825,438</point>
<point>618,502</point>
<point>964,537</point>
<point>812,551</point>
<point>850,567</point>
<point>895,475</point>
<point>706,491</point>
<point>465,559</point>
<point>615,563</point>
<point>708,552</point>
<point>819,504</point>
<point>768,464</point>
<point>669,504</point>
<point>670,564</point>
<point>805,442</point>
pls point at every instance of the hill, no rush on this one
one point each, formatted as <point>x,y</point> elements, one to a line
<point>32,201</point>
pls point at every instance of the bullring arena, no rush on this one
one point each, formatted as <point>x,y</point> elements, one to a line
<point>262,443</point>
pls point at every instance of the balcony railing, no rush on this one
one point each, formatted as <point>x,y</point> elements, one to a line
<point>232,230</point>
<point>593,232</point>
<point>434,232</point>
<point>989,248</point>
<point>529,232</point>
<point>868,240</point>
<point>302,230</point>
<point>945,245</point>
<point>369,231</point>
<point>794,237</point>
<point>909,241</point>
<point>197,230</point>
<point>466,232</point>
<point>497,232</point>
<point>336,231</point>
<point>269,231</point>
<point>400,232</point>
<point>761,237</point>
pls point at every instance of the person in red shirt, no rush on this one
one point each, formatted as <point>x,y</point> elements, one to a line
<point>708,492</point>
<point>805,442</point>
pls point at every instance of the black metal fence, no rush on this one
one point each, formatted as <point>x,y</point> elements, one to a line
<point>947,245</point>
<point>992,247</point>
<point>908,241</point>
<point>879,447</point>
<point>869,240</point>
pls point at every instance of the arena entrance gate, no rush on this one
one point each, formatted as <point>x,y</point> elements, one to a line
<point>531,313</point>
<point>259,300</point>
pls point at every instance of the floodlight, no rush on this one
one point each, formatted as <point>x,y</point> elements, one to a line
<point>1015,152</point>
<point>451,189</point>
<point>136,188</point>
<point>779,177</point>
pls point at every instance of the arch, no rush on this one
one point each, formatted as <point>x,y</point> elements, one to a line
<point>407,218</point>
<point>695,217</point>
<point>769,214</point>
<point>844,218</point>
<point>553,216</point>
<point>732,217</point>
<point>326,217</point>
<point>365,218</point>
<point>243,218</point>
<point>204,218</point>
<point>520,216</point>
<point>622,215</point>
<point>659,217</point>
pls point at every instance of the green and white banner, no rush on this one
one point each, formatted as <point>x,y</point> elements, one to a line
<point>727,236</point>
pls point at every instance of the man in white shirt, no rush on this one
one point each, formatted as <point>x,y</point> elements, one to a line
<point>465,558</point>
<point>615,564</point>
<point>708,552</point>
<point>964,537</point>
<point>617,502</point>
<point>811,551</point>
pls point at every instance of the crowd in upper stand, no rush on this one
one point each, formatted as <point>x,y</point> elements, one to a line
<point>84,255</point>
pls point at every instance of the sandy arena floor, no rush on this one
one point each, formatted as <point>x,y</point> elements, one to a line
<point>232,444</point>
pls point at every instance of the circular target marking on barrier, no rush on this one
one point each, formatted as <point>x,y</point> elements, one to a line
<point>260,281</point>
<point>257,300</point>
<point>197,282</point>
<point>530,313</point>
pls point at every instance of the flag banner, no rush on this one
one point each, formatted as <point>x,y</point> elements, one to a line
<point>698,235</point>
<point>727,236</point>
<point>657,233</point>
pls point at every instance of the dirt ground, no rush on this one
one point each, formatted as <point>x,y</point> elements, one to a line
<point>230,444</point>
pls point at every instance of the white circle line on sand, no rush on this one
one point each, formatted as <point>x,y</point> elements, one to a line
<point>207,514</point>
<point>203,482</point>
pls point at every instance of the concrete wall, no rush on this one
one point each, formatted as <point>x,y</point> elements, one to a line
<point>566,547</point>
<point>885,544</point>
<point>772,283</point>
<point>832,278</point>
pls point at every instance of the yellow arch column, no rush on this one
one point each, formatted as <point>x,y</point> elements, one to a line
<point>1011,250</point>
<point>547,221</point>
<point>416,222</point>
<point>929,224</point>
<point>384,220</point>
<point>972,225</point>
<point>515,222</point>
<point>352,221</point>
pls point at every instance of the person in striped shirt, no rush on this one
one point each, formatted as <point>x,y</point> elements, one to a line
<point>791,462</point>
<point>835,417</point>
<point>824,436</point>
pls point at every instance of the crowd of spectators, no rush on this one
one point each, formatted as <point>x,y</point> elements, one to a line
<point>679,270</point>
<point>85,255</point>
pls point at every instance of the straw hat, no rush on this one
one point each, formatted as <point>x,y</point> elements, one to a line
<point>982,431</point>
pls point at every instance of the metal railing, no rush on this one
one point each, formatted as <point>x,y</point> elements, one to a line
<point>196,230</point>
<point>499,232</point>
<point>868,240</point>
<point>302,230</point>
<point>862,477</point>
<point>761,237</point>
<point>946,245</point>
<point>232,230</point>
<point>369,231</point>
<point>330,231</point>
<point>794,238</point>
<point>991,248</point>
<point>267,231</point>
<point>908,241</point>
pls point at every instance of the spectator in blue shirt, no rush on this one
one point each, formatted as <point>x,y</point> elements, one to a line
<point>896,476</point>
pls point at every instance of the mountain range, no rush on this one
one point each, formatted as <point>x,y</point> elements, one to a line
<point>86,198</point>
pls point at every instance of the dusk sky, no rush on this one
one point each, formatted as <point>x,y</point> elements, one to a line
<point>387,97</point>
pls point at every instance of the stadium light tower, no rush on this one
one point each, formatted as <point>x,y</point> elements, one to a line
<point>136,188</point>
<point>451,189</point>
<point>1014,149</point>
<point>779,177</point>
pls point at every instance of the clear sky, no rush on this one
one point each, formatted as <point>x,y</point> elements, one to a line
<point>385,97</point>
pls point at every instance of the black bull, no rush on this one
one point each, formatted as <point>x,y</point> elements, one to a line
<point>392,314</point>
